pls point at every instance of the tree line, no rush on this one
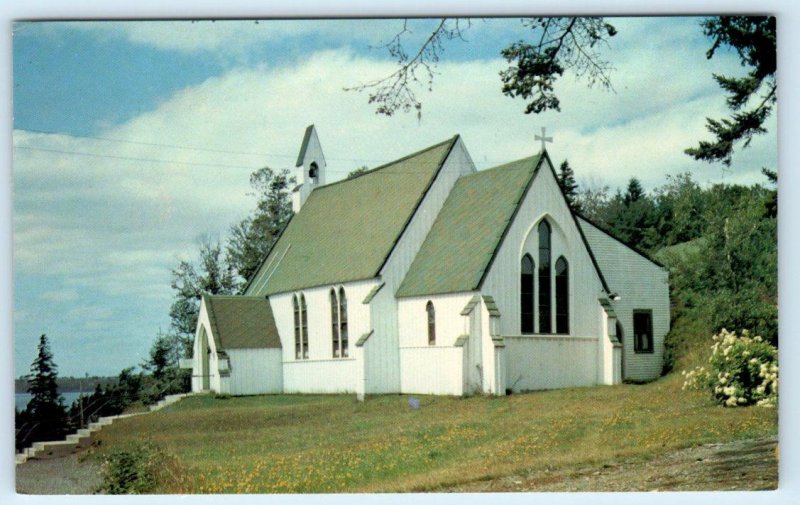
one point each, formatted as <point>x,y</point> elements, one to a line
<point>719,243</point>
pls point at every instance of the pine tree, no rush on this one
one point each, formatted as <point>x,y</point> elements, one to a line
<point>634,192</point>
<point>566,179</point>
<point>46,411</point>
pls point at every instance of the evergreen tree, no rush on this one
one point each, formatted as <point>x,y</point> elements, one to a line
<point>754,40</point>
<point>45,411</point>
<point>634,192</point>
<point>566,179</point>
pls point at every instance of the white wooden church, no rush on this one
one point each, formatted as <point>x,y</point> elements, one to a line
<point>426,276</point>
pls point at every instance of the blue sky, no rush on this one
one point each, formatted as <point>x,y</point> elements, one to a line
<point>118,128</point>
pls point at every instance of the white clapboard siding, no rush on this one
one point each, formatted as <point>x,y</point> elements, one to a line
<point>494,366</point>
<point>537,362</point>
<point>439,368</point>
<point>255,371</point>
<point>641,284</point>
<point>381,352</point>
<point>544,200</point>
<point>432,370</point>
<point>321,372</point>
<point>321,376</point>
<point>450,324</point>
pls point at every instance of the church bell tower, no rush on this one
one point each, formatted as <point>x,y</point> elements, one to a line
<point>309,170</point>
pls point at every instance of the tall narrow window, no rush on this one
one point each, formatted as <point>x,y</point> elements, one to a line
<point>303,326</point>
<point>335,323</point>
<point>526,294</point>
<point>562,295</point>
<point>431,323</point>
<point>297,336</point>
<point>643,331</point>
<point>343,321</point>
<point>545,304</point>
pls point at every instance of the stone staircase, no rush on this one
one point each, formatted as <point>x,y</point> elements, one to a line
<point>83,437</point>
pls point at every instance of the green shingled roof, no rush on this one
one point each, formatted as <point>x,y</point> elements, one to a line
<point>468,230</point>
<point>346,230</point>
<point>242,322</point>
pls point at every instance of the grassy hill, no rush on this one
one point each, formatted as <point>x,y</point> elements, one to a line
<point>309,443</point>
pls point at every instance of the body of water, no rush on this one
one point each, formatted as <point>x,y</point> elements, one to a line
<point>21,399</point>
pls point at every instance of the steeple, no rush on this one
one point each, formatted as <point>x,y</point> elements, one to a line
<point>309,169</point>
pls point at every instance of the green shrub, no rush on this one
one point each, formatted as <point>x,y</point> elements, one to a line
<point>136,469</point>
<point>742,370</point>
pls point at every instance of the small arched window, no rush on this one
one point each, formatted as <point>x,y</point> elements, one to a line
<point>335,323</point>
<point>303,326</point>
<point>545,303</point>
<point>562,295</point>
<point>313,172</point>
<point>343,321</point>
<point>526,294</point>
<point>298,338</point>
<point>431,323</point>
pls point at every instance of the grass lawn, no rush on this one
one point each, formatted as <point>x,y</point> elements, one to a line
<point>316,443</point>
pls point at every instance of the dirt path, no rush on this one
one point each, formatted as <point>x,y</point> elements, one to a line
<point>743,465</point>
<point>67,475</point>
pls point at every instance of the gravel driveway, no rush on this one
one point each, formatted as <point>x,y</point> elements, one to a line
<point>68,475</point>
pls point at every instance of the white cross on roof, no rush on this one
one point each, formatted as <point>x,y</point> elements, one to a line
<point>543,138</point>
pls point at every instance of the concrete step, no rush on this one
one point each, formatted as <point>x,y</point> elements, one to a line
<point>54,449</point>
<point>82,437</point>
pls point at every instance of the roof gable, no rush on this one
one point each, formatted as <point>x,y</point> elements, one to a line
<point>346,230</point>
<point>462,242</point>
<point>241,322</point>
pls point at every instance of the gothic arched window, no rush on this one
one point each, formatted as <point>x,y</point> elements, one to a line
<point>303,327</point>
<point>298,338</point>
<point>562,295</point>
<point>526,294</point>
<point>431,323</point>
<point>343,322</point>
<point>545,303</point>
<point>335,323</point>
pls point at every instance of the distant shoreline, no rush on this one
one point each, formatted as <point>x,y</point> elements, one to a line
<point>70,384</point>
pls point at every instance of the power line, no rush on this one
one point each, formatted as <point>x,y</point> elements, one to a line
<point>130,158</point>
<point>194,148</point>
<point>174,162</point>
<point>155,144</point>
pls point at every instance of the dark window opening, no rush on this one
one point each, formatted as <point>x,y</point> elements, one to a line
<point>343,321</point>
<point>335,323</point>
<point>562,296</point>
<point>545,304</point>
<point>526,294</point>
<point>303,326</point>
<point>643,330</point>
<point>297,337</point>
<point>431,323</point>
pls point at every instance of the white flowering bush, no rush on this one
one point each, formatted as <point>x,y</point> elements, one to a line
<point>742,370</point>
